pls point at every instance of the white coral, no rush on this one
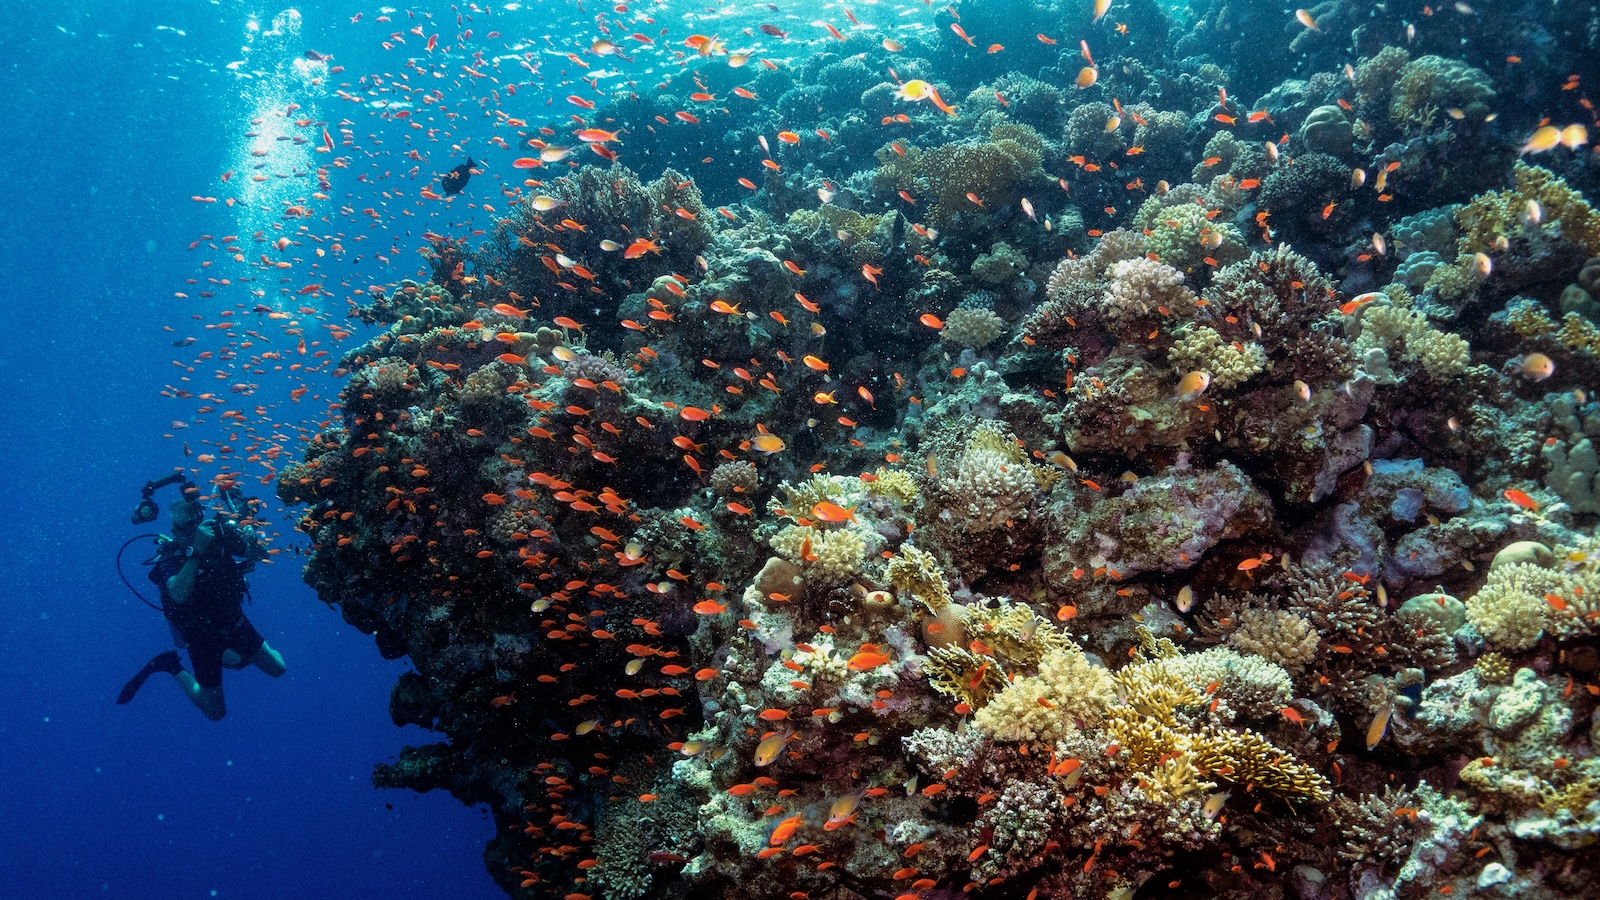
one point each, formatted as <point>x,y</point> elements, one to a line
<point>989,488</point>
<point>836,554</point>
<point>1141,287</point>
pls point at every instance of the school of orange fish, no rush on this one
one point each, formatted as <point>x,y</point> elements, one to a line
<point>518,465</point>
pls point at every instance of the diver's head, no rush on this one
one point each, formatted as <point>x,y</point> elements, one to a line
<point>187,514</point>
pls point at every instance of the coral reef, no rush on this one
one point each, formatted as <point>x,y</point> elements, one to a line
<point>1010,467</point>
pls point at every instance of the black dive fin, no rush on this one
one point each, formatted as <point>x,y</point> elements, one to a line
<point>163,662</point>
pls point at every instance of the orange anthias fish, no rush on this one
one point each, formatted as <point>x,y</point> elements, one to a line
<point>640,247</point>
<point>1521,499</point>
<point>829,511</point>
<point>784,830</point>
<point>867,659</point>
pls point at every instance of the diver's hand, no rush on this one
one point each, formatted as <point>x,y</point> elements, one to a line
<point>203,535</point>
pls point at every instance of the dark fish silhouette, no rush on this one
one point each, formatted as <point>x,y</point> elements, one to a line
<point>455,180</point>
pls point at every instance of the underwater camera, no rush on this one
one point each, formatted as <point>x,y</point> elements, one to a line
<point>147,510</point>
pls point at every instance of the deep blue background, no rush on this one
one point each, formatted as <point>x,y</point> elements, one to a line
<point>110,126</point>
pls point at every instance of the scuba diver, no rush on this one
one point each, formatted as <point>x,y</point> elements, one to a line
<point>200,572</point>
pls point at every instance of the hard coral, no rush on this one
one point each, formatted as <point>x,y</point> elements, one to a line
<point>1496,214</point>
<point>971,327</point>
<point>1429,84</point>
<point>1143,294</point>
<point>1074,692</point>
<point>1229,365</point>
<point>1277,635</point>
<point>992,485</point>
<point>1406,334</point>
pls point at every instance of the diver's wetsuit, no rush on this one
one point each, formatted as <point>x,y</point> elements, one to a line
<point>213,620</point>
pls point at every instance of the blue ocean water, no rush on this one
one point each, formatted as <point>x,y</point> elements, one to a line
<point>117,113</point>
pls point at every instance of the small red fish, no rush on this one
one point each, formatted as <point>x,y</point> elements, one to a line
<point>1521,499</point>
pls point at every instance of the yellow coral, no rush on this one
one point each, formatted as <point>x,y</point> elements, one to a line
<point>836,554</point>
<point>896,483</point>
<point>966,676</point>
<point>1409,334</point>
<point>1493,668</point>
<point>915,572</point>
<point>1245,757</point>
<point>1578,333</point>
<point>1495,213</point>
<point>800,499</point>
<point>1519,601</point>
<point>1229,364</point>
<point>1068,690</point>
<point>1509,609</point>
<point>988,438</point>
<point>1156,724</point>
<point>1528,319</point>
<point>1014,633</point>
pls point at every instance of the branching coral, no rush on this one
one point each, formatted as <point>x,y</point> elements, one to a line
<point>1407,334</point>
<point>1088,133</point>
<point>1185,234</point>
<point>1520,601</point>
<point>971,327</point>
<point>1495,214</point>
<point>992,484</point>
<point>1378,828</point>
<point>1277,635</point>
<point>1068,692</point>
<point>735,479</point>
<point>1229,365</point>
<point>1429,84</point>
<point>968,677</point>
<point>994,171</point>
<point>1000,266</point>
<point>1161,719</point>
<point>1376,76</point>
<point>836,554</point>
<point>896,483</point>
<point>917,573</point>
<point>1142,294</point>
